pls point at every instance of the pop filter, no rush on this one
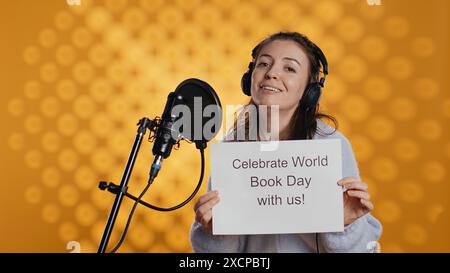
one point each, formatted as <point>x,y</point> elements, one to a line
<point>204,118</point>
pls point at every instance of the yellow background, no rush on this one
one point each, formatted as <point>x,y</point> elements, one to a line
<point>76,79</point>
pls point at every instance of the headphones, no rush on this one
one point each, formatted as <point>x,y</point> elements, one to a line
<point>313,90</point>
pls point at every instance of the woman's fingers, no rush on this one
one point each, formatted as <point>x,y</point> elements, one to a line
<point>208,205</point>
<point>353,183</point>
<point>206,218</point>
<point>205,210</point>
<point>203,207</point>
<point>359,194</point>
<point>205,198</point>
<point>367,204</point>
<point>356,186</point>
<point>346,180</point>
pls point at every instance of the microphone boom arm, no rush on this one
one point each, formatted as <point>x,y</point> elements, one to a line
<point>144,124</point>
<point>121,190</point>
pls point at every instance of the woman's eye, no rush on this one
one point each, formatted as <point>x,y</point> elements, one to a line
<point>263,64</point>
<point>290,69</point>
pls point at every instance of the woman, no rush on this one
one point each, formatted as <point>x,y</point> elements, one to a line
<point>285,71</point>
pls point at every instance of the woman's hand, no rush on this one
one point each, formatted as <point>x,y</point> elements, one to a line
<point>203,208</point>
<point>356,199</point>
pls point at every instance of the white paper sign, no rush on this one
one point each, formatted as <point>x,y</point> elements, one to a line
<point>292,189</point>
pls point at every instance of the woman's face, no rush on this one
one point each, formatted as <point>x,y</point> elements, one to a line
<point>280,75</point>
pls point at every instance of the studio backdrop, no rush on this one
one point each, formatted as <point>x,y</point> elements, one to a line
<point>77,75</point>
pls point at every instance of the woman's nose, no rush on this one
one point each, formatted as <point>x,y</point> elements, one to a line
<point>272,73</point>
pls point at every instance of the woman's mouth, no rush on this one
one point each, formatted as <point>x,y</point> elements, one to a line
<point>270,89</point>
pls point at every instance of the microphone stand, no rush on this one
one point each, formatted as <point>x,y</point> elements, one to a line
<point>144,124</point>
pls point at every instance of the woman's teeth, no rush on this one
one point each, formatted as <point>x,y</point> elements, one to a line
<point>271,89</point>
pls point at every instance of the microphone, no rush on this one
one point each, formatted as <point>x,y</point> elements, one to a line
<point>185,116</point>
<point>163,137</point>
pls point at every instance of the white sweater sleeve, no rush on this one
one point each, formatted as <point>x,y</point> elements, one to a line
<point>360,235</point>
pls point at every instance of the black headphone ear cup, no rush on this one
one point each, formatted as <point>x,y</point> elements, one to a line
<point>246,83</point>
<point>311,97</point>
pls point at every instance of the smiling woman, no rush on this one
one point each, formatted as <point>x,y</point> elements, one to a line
<point>286,73</point>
